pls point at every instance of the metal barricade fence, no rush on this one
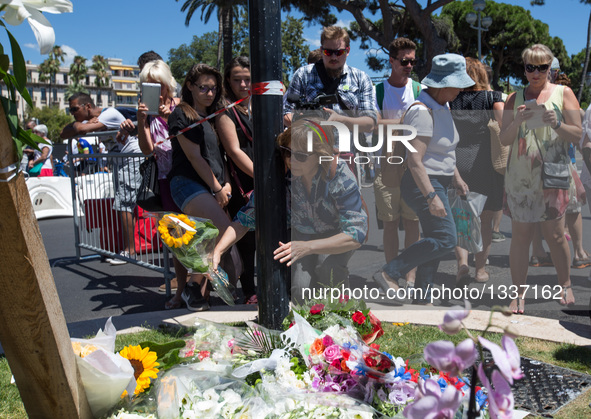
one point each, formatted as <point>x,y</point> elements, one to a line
<point>105,201</point>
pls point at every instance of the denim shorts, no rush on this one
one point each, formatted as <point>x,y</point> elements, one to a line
<point>183,190</point>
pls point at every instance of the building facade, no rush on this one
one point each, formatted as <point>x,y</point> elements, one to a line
<point>121,91</point>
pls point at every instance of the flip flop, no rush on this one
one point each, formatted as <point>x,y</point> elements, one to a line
<point>562,301</point>
<point>463,277</point>
<point>383,283</point>
<point>172,305</point>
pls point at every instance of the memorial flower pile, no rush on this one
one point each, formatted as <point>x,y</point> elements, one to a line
<point>306,371</point>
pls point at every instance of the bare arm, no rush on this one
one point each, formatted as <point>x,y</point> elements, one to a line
<point>292,251</point>
<point>77,129</point>
<point>229,138</point>
<point>42,157</point>
<point>498,108</point>
<point>569,130</point>
<point>143,130</point>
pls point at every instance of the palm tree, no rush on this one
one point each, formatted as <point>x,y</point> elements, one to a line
<point>101,69</point>
<point>78,72</point>
<point>225,14</point>
<point>50,67</point>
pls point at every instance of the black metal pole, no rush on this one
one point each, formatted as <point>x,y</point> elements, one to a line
<point>264,18</point>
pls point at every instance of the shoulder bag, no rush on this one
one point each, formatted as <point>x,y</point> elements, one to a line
<point>148,197</point>
<point>554,175</point>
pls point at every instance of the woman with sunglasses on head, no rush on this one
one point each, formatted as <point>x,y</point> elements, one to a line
<point>198,178</point>
<point>328,220</point>
<point>234,127</point>
<point>546,141</point>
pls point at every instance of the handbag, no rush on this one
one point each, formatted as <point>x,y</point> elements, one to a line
<point>148,196</point>
<point>392,172</point>
<point>554,175</point>
<point>499,153</point>
<point>36,170</point>
<point>466,212</point>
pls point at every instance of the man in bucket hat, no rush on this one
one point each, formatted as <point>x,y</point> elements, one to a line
<point>432,168</point>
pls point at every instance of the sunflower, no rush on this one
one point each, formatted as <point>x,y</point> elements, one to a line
<point>176,230</point>
<point>144,364</point>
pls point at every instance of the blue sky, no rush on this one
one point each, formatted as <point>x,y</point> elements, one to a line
<point>126,28</point>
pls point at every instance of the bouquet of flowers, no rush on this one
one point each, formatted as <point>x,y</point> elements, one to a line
<point>344,312</point>
<point>191,240</point>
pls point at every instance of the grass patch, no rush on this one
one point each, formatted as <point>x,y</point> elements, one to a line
<point>406,341</point>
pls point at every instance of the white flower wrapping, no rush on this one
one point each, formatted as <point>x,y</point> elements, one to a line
<point>105,375</point>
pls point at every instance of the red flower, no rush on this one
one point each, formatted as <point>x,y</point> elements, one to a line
<point>344,299</point>
<point>345,355</point>
<point>316,308</point>
<point>203,355</point>
<point>385,364</point>
<point>375,346</point>
<point>370,362</point>
<point>358,317</point>
<point>336,364</point>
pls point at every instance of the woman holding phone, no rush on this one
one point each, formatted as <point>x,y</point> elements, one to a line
<point>199,181</point>
<point>531,145</point>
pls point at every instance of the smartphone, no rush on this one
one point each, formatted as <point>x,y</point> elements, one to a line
<point>536,120</point>
<point>151,97</point>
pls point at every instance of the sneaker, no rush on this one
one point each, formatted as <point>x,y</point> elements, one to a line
<point>114,261</point>
<point>173,286</point>
<point>581,263</point>
<point>498,237</point>
<point>193,298</point>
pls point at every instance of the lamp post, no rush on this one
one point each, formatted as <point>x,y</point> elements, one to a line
<point>483,23</point>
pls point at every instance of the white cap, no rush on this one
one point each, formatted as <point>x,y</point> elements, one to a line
<point>555,64</point>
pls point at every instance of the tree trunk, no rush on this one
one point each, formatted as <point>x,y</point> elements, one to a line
<point>586,65</point>
<point>33,329</point>
<point>227,31</point>
<point>220,35</point>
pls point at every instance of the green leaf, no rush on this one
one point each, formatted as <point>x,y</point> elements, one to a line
<point>4,62</point>
<point>18,63</point>
<point>162,349</point>
<point>11,114</point>
<point>171,360</point>
<point>27,97</point>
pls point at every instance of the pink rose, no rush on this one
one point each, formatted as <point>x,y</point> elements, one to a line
<point>327,341</point>
<point>332,353</point>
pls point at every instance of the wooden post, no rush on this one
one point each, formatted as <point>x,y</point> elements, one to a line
<point>33,329</point>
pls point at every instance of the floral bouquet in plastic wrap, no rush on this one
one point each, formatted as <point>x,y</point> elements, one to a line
<point>191,240</point>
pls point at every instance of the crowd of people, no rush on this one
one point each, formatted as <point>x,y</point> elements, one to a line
<point>208,170</point>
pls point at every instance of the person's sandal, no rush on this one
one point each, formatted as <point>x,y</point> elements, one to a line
<point>463,277</point>
<point>172,305</point>
<point>253,300</point>
<point>581,262</point>
<point>541,261</point>
<point>520,309</point>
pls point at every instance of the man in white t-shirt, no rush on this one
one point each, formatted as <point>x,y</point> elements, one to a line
<point>90,118</point>
<point>393,97</point>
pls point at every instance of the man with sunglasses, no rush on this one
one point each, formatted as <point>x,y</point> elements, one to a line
<point>394,96</point>
<point>353,87</point>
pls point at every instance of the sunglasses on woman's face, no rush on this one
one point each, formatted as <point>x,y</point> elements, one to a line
<point>206,89</point>
<point>337,52</point>
<point>530,68</point>
<point>298,155</point>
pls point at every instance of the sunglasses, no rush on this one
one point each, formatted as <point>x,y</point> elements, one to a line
<point>298,155</point>
<point>530,68</point>
<point>406,61</point>
<point>74,109</point>
<point>206,89</point>
<point>337,52</point>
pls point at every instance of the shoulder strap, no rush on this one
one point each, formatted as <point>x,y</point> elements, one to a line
<point>380,95</point>
<point>330,85</point>
<point>416,88</point>
<point>246,133</point>
<point>413,104</point>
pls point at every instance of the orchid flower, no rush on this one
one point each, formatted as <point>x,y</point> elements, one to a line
<point>452,321</point>
<point>431,403</point>
<point>445,357</point>
<point>507,358</point>
<point>16,11</point>
<point>500,398</point>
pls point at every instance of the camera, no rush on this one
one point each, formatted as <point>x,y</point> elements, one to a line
<point>315,104</point>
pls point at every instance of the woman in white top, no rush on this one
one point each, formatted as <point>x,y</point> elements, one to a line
<point>432,168</point>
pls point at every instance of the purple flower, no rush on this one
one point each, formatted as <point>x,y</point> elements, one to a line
<point>500,398</point>
<point>445,357</point>
<point>332,353</point>
<point>327,341</point>
<point>507,358</point>
<point>452,320</point>
<point>431,403</point>
<point>401,392</point>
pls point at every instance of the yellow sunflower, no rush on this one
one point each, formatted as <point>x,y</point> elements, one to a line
<point>144,363</point>
<point>173,231</point>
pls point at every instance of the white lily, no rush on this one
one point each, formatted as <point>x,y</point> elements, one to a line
<point>16,11</point>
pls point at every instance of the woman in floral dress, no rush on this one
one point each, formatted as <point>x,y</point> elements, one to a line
<point>526,201</point>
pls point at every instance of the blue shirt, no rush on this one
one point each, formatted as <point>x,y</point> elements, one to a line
<point>332,206</point>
